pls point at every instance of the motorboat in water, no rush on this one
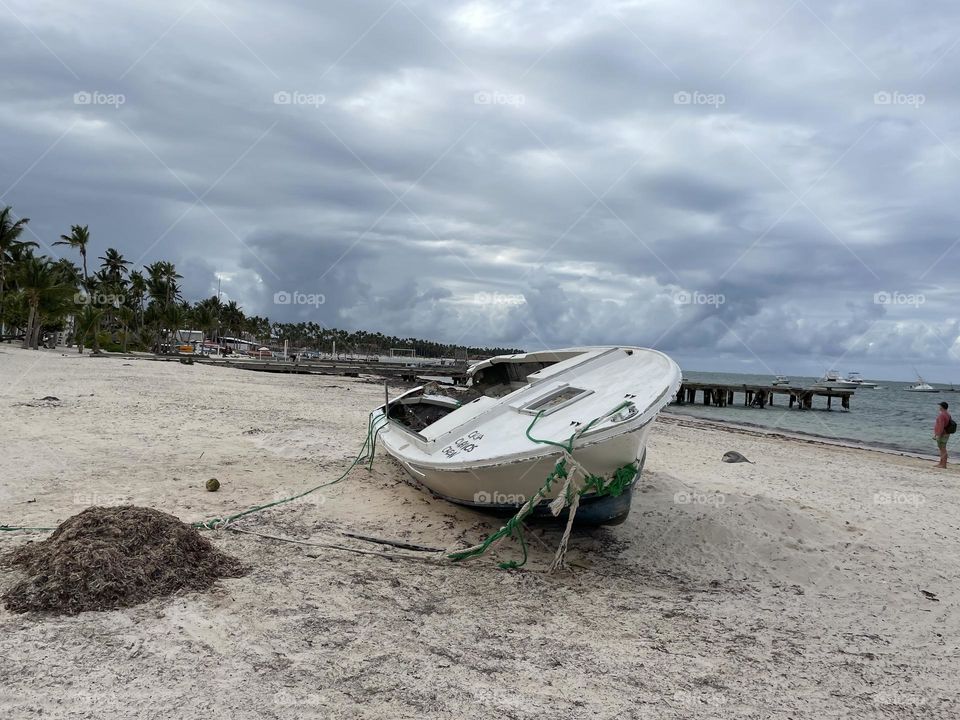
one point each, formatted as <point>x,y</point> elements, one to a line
<point>832,381</point>
<point>781,381</point>
<point>923,386</point>
<point>858,381</point>
<point>495,451</point>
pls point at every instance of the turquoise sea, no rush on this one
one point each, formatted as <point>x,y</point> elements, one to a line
<point>889,417</point>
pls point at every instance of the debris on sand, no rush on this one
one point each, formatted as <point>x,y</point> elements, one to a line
<point>213,485</point>
<point>110,557</point>
<point>46,401</point>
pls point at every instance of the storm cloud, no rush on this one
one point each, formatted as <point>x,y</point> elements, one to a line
<point>757,187</point>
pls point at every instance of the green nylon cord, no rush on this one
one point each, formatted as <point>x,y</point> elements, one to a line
<point>366,452</point>
<point>368,449</point>
<point>619,482</point>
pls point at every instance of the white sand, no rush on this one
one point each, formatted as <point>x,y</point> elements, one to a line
<point>788,588</point>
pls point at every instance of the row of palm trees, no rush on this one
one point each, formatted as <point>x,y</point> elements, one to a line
<point>127,309</point>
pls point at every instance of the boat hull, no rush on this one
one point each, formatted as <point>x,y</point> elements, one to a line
<point>503,488</point>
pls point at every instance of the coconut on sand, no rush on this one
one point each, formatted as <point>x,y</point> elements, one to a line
<point>106,558</point>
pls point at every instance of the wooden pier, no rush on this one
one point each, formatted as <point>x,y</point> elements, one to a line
<point>457,374</point>
<point>759,396</point>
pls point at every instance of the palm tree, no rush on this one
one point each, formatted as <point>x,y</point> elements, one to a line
<point>126,315</point>
<point>44,289</point>
<point>162,285</point>
<point>78,239</point>
<point>138,291</point>
<point>88,324</point>
<point>114,265</point>
<point>10,243</point>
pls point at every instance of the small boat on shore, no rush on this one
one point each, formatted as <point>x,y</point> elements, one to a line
<point>494,452</point>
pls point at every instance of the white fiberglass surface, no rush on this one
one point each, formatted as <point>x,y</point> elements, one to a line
<point>497,428</point>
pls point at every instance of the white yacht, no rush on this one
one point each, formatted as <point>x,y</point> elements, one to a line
<point>832,381</point>
<point>922,386</point>
<point>855,378</point>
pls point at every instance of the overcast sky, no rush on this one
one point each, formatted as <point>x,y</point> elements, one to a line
<point>752,186</point>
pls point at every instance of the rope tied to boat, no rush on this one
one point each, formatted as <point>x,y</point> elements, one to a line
<point>367,452</point>
<point>566,470</point>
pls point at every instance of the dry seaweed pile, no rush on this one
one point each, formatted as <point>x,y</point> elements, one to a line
<point>105,558</point>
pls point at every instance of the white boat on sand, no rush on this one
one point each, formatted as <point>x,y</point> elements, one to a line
<point>496,451</point>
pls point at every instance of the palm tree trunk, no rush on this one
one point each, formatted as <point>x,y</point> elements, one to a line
<point>30,320</point>
<point>35,337</point>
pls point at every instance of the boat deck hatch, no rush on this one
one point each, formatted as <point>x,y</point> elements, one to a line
<point>555,399</point>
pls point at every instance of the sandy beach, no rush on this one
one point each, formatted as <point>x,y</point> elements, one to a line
<point>788,588</point>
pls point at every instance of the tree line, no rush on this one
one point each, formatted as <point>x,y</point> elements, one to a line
<point>118,308</point>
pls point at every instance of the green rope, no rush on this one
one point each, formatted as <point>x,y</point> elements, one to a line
<point>367,451</point>
<point>620,481</point>
<point>18,528</point>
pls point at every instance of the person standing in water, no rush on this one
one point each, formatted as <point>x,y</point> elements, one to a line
<point>941,432</point>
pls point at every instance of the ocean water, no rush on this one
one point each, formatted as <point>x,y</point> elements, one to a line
<point>888,417</point>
